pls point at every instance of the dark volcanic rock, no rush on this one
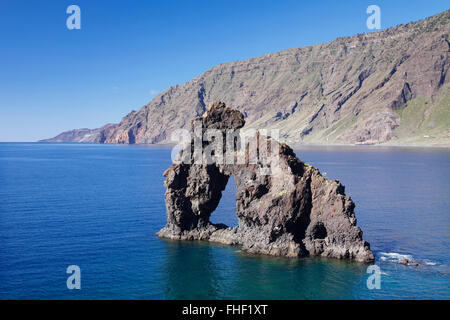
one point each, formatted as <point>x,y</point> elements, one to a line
<point>294,211</point>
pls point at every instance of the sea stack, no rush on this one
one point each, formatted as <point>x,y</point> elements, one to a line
<point>284,206</point>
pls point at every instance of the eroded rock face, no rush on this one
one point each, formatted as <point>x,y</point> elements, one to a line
<point>294,211</point>
<point>350,90</point>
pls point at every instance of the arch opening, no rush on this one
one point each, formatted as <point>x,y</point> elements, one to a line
<point>225,213</point>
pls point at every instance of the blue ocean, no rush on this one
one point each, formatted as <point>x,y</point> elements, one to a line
<point>99,207</point>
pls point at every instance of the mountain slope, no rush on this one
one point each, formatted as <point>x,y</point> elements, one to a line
<point>84,135</point>
<point>389,86</point>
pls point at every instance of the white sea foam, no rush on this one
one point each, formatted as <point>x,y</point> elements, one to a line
<point>394,256</point>
<point>399,257</point>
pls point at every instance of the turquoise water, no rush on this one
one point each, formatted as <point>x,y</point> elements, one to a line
<point>99,207</point>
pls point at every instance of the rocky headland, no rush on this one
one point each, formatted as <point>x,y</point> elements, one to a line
<point>84,135</point>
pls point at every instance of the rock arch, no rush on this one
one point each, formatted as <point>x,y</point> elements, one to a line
<point>294,212</point>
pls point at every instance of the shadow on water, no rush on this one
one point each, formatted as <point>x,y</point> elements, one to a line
<point>200,270</point>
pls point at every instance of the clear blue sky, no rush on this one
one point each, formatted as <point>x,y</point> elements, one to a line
<point>53,79</point>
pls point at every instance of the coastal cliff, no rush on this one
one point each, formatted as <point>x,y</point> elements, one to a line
<point>386,87</point>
